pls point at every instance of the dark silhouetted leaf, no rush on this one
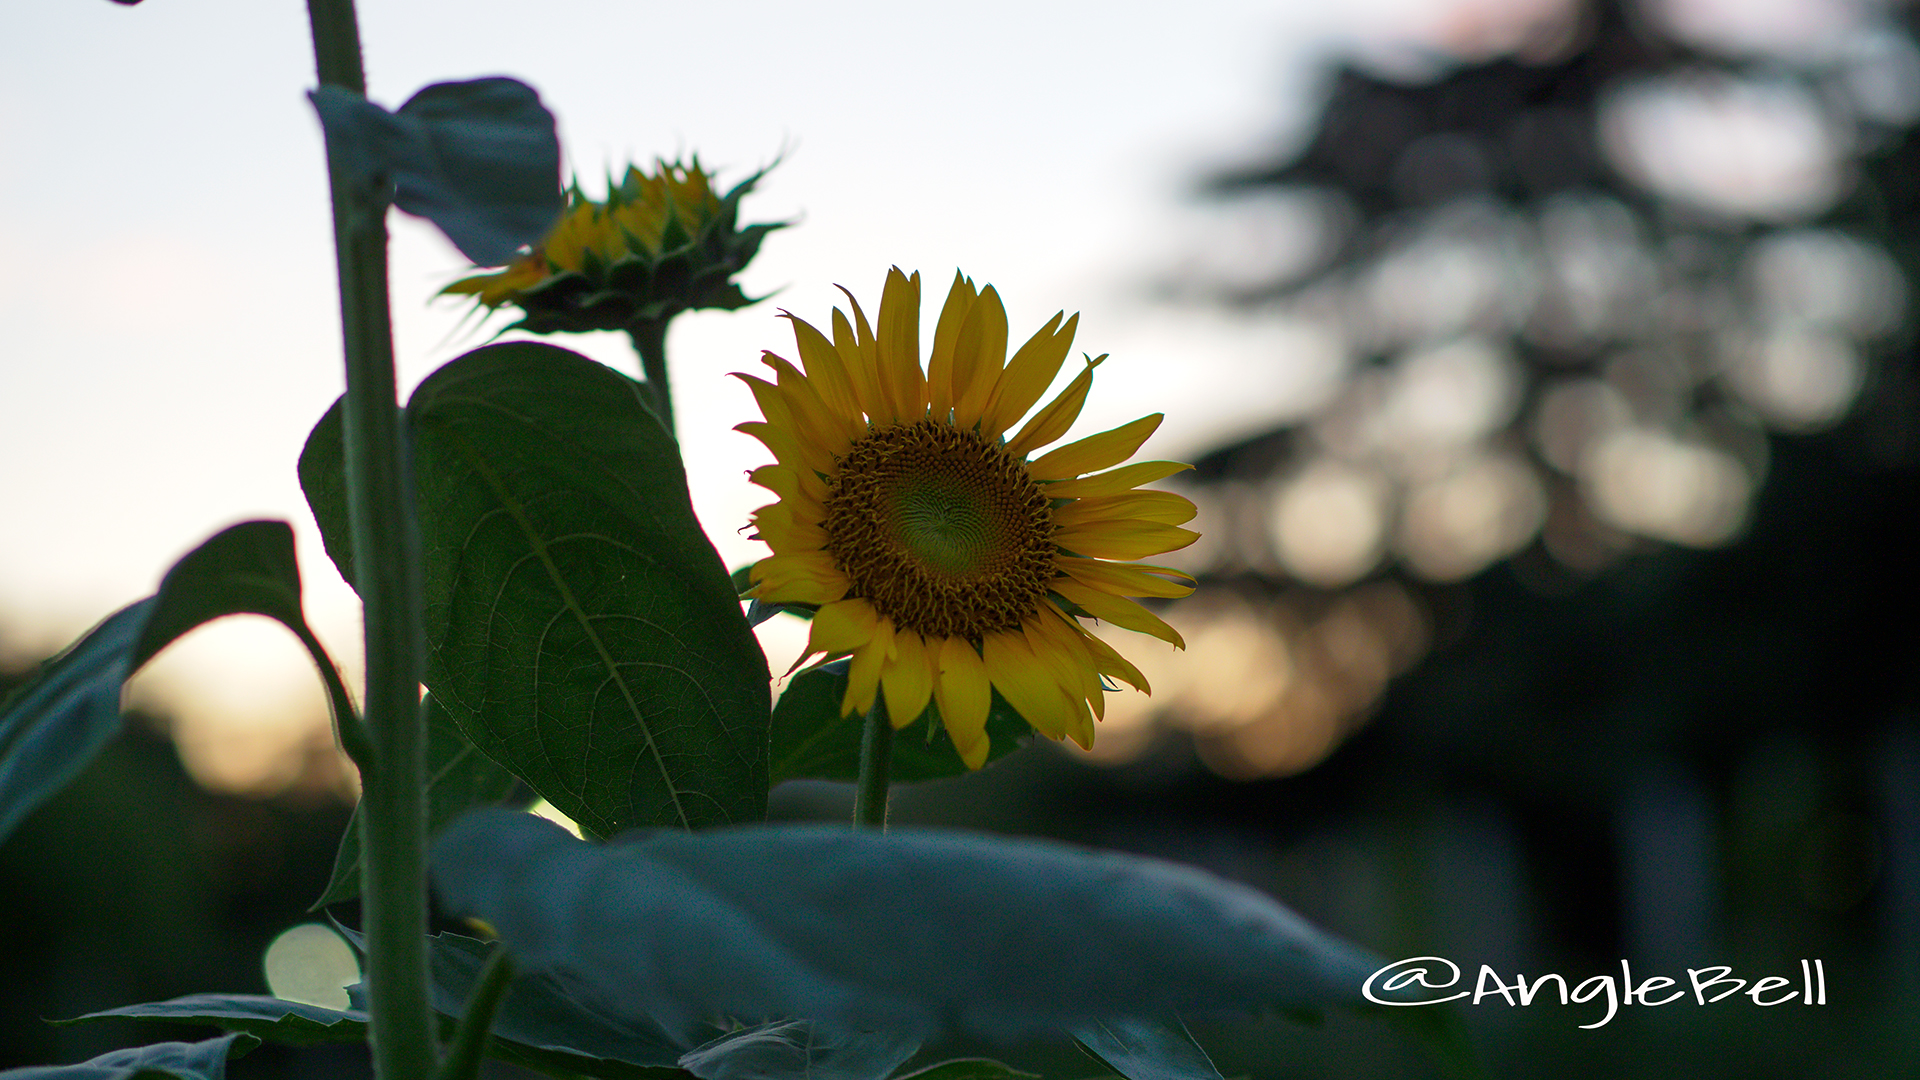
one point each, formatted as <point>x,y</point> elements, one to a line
<point>480,159</point>
<point>53,726</point>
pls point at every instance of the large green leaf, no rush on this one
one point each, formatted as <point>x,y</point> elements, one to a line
<point>581,629</point>
<point>459,778</point>
<point>969,1069</point>
<point>269,1019</point>
<point>182,1061</point>
<point>911,932</point>
<point>538,1028</point>
<point>480,159</point>
<point>796,1049</point>
<point>53,726</point>
<point>812,740</point>
<point>1145,1050</point>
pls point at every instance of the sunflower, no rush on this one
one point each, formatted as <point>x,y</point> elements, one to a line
<point>947,563</point>
<point>662,242</point>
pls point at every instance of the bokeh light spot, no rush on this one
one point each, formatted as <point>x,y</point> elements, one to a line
<point>311,964</point>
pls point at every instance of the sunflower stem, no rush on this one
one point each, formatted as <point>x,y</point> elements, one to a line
<point>650,341</point>
<point>386,543</point>
<point>876,766</point>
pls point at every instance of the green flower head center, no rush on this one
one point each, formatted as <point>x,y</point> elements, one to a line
<point>941,530</point>
<point>943,523</point>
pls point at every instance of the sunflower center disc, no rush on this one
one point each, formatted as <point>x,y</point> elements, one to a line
<point>942,530</point>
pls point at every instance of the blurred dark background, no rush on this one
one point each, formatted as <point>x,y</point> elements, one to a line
<point>1574,624</point>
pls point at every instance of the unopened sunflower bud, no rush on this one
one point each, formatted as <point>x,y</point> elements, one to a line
<point>662,243</point>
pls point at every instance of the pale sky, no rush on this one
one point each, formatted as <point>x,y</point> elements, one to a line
<point>169,300</point>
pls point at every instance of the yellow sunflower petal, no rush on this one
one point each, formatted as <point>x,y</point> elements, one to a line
<point>787,532</point>
<point>863,677</point>
<point>862,354</point>
<point>1117,610</point>
<point>940,392</point>
<point>1122,479</point>
<point>1123,540</point>
<point>1028,375</point>
<point>798,486</point>
<point>810,442</point>
<point>1026,683</point>
<point>964,695</point>
<point>1095,452</point>
<point>1122,579</point>
<point>801,577</point>
<point>1053,421</point>
<point>1111,664</point>
<point>978,357</point>
<point>908,678</point>
<point>1159,507</point>
<point>1099,656</point>
<point>842,626</point>
<point>1064,655</point>
<point>837,429</point>
<point>859,364</point>
<point>825,369</point>
<point>901,380</point>
<point>779,441</point>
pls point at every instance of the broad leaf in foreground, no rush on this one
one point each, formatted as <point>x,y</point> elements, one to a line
<point>1144,1050</point>
<point>581,630</point>
<point>186,1061</point>
<point>913,932</point>
<point>52,727</point>
<point>269,1019</point>
<point>795,1048</point>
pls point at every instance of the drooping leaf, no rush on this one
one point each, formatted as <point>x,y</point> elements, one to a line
<point>913,931</point>
<point>582,631</point>
<point>480,159</point>
<point>459,778</point>
<point>796,1049</point>
<point>53,726</point>
<point>1146,1050</point>
<point>812,740</point>
<point>269,1019</point>
<point>185,1061</point>
<point>58,722</point>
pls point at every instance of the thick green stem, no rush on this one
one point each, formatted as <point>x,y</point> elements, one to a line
<point>470,1042</point>
<point>650,341</point>
<point>386,543</point>
<point>876,765</point>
